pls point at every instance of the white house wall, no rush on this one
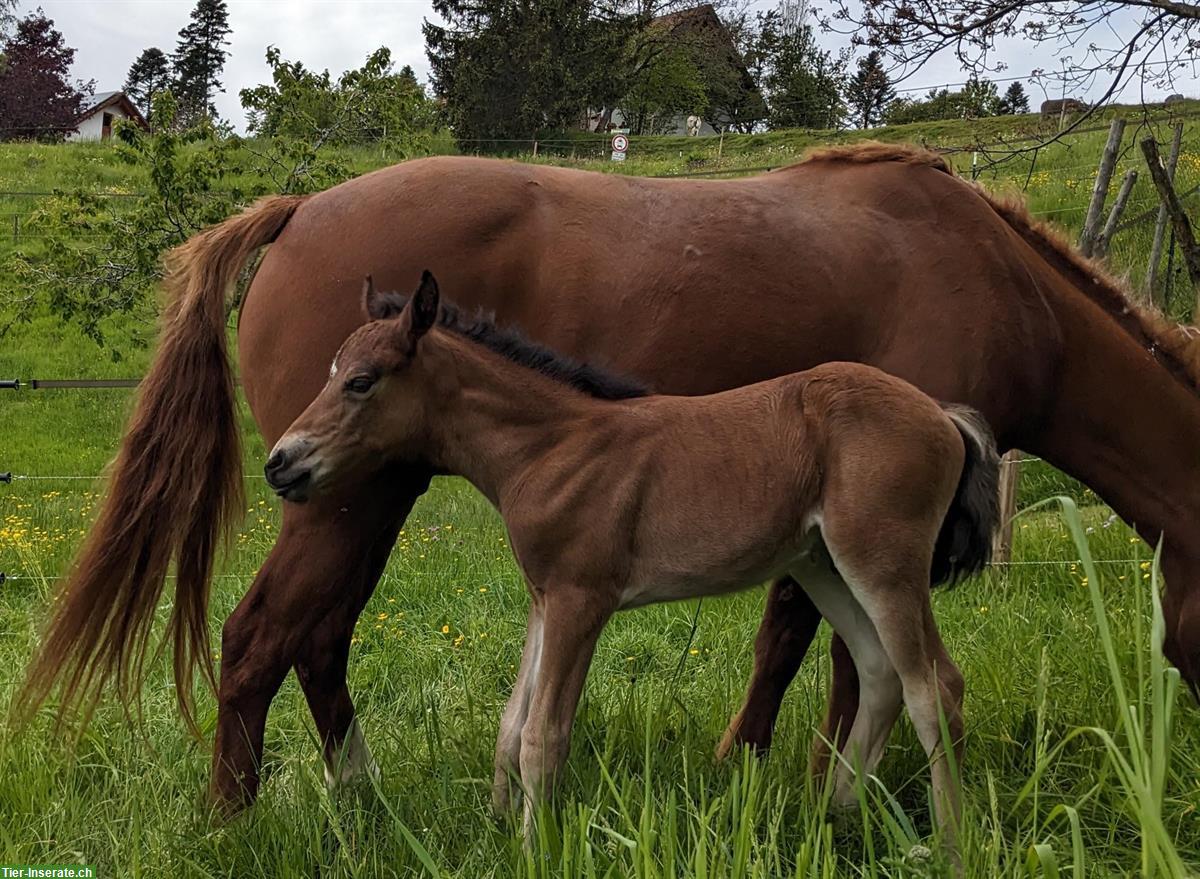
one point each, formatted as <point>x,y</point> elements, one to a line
<point>90,127</point>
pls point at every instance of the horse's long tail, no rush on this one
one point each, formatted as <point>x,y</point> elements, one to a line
<point>964,544</point>
<point>174,490</point>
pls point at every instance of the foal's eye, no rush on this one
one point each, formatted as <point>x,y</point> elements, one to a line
<point>360,384</point>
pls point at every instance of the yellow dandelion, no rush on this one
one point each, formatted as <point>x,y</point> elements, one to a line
<point>446,629</point>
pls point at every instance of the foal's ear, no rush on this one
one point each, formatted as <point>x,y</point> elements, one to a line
<point>377,305</point>
<point>424,305</point>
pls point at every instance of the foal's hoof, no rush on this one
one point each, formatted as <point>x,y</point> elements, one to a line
<point>506,801</point>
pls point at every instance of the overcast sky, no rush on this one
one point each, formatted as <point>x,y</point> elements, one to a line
<point>339,34</point>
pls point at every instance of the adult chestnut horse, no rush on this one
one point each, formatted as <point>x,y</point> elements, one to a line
<point>873,253</point>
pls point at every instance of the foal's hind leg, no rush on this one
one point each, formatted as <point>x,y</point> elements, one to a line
<point>896,600</point>
<point>321,548</point>
<point>879,689</point>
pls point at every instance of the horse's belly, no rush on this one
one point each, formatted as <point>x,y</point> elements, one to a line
<point>711,569</point>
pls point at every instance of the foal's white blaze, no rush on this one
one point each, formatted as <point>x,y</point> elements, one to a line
<point>352,761</point>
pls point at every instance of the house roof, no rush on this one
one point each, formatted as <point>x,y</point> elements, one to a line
<point>100,101</point>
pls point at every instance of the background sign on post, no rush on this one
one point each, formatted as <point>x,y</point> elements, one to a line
<point>620,144</point>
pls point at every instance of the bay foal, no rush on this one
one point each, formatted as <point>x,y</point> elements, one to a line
<point>850,480</point>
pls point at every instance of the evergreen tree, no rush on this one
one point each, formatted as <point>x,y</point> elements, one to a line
<point>1014,101</point>
<point>199,59</point>
<point>870,91</point>
<point>150,73</point>
<point>508,69</point>
<point>37,100</point>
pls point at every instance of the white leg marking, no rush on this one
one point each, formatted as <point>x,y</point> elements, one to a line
<point>352,761</point>
<point>508,742</point>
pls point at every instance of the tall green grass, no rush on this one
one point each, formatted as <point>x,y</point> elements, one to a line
<point>1082,757</point>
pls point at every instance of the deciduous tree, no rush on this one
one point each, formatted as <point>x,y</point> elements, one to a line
<point>37,98</point>
<point>373,102</point>
<point>1107,41</point>
<point>802,81</point>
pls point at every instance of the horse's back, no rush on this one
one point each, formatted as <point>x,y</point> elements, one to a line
<point>692,286</point>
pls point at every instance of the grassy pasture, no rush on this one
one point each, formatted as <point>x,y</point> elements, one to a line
<point>436,650</point>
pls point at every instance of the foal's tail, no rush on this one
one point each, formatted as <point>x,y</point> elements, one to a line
<point>172,496</point>
<point>964,544</point>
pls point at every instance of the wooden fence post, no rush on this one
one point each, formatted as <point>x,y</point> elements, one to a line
<point>1179,220</point>
<point>1010,470</point>
<point>1114,216</point>
<point>1160,225</point>
<point>1108,161</point>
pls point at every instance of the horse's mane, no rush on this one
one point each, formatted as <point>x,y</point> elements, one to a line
<point>1175,346</point>
<point>511,344</point>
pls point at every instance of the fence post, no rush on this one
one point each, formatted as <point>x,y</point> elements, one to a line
<point>1010,471</point>
<point>1179,220</point>
<point>535,148</point>
<point>1108,161</point>
<point>1114,217</point>
<point>1160,225</point>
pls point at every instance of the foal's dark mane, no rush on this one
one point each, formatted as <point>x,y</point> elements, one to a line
<point>511,344</point>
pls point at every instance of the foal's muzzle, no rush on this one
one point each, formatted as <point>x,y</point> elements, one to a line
<point>288,472</point>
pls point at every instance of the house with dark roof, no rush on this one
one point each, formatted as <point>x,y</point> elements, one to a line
<point>101,111</point>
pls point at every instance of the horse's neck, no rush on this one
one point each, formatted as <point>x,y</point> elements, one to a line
<point>1124,425</point>
<point>493,418</point>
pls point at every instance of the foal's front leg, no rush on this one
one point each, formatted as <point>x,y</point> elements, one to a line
<point>573,618</point>
<point>505,786</point>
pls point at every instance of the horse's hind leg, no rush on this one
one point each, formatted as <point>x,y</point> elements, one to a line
<point>844,689</point>
<point>789,623</point>
<point>321,549</point>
